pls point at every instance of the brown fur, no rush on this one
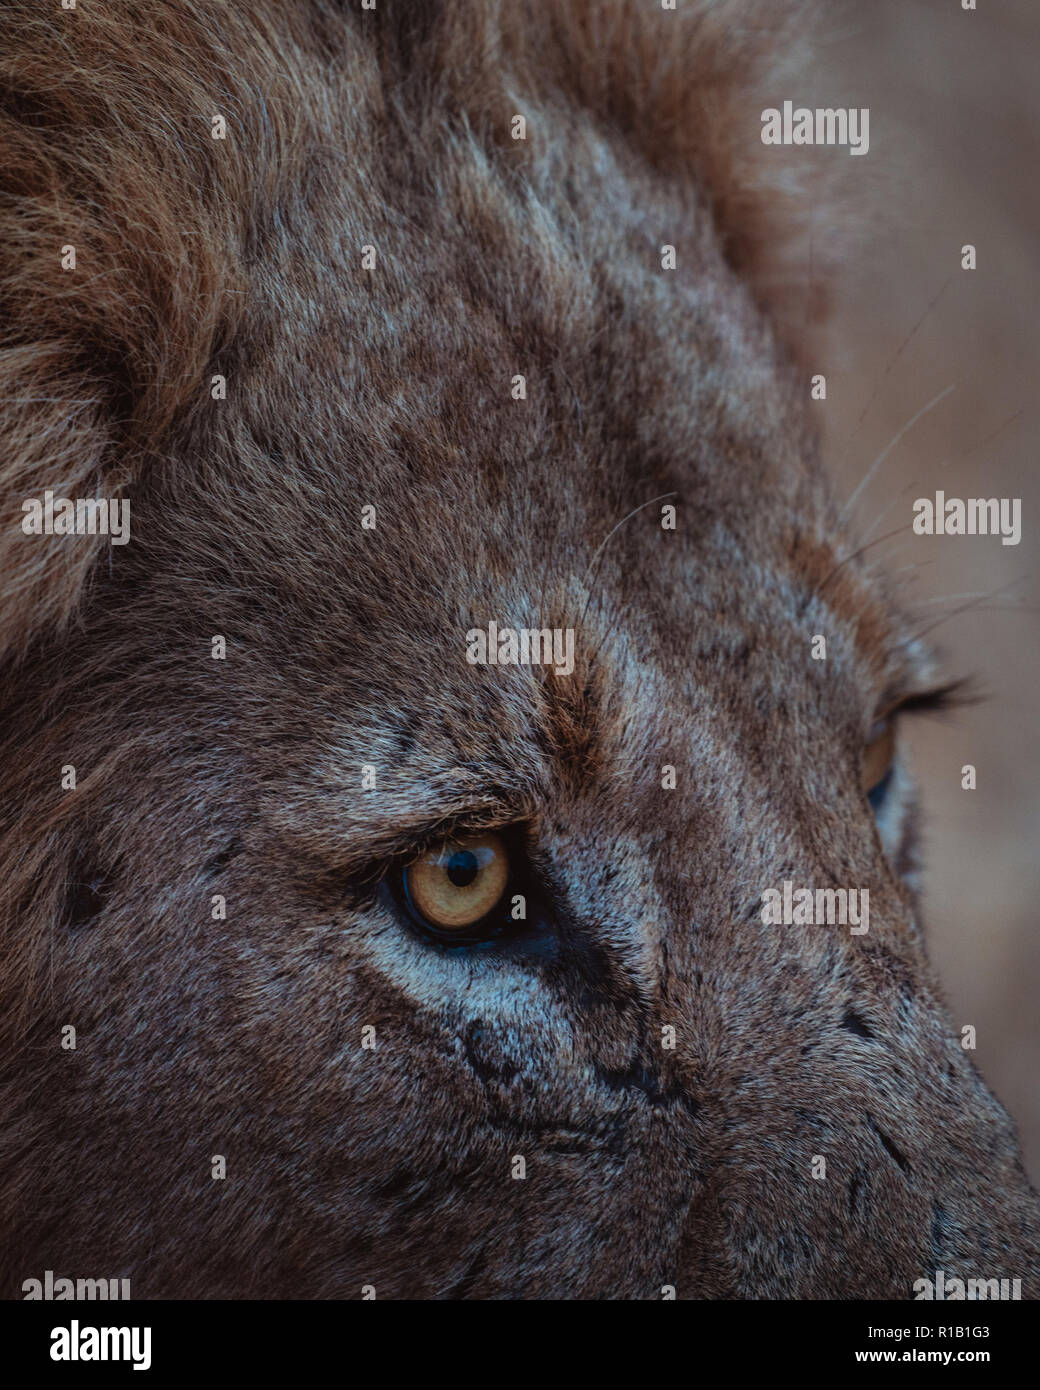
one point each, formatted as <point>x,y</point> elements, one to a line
<point>346,388</point>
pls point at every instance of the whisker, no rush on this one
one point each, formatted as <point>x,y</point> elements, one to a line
<point>847,559</point>
<point>885,511</point>
<point>970,448</point>
<point>952,598</point>
<point>891,445</point>
<point>899,352</point>
<point>599,549</point>
<point>943,463</point>
<point>917,565</point>
<point>974,606</point>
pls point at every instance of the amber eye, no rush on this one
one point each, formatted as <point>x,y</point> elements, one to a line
<point>878,757</point>
<point>457,883</point>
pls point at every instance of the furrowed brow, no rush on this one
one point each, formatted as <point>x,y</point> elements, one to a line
<point>354,816</point>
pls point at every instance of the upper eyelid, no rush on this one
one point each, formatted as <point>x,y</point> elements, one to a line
<point>360,848</point>
<point>405,852</point>
<point>421,842</point>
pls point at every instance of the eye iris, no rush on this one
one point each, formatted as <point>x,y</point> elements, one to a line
<point>878,757</point>
<point>458,883</point>
<point>877,793</point>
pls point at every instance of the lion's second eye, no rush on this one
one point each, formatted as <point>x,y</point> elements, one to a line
<point>454,886</point>
<point>878,757</point>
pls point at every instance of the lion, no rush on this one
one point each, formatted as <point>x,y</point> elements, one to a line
<point>337,965</point>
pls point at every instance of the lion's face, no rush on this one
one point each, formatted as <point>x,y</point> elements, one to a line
<point>630,1084</point>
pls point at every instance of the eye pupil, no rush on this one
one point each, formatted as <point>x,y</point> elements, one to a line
<point>462,868</point>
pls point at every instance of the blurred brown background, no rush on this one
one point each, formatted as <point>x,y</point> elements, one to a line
<point>954,158</point>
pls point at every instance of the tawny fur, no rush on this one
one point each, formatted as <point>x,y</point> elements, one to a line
<point>391,388</point>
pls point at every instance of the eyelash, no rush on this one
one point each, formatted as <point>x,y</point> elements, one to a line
<point>955,694</point>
